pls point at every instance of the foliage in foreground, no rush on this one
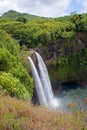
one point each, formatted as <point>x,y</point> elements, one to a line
<point>14,79</point>
<point>19,115</point>
<point>13,86</point>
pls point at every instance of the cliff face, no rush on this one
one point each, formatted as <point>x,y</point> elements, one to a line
<point>66,59</point>
<point>55,49</point>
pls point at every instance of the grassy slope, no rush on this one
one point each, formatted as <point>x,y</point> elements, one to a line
<point>21,115</point>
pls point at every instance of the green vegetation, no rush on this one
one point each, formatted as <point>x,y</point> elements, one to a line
<point>14,79</point>
<point>39,32</point>
<point>63,43</point>
<point>12,86</point>
<point>67,34</point>
<point>71,66</point>
<point>14,15</point>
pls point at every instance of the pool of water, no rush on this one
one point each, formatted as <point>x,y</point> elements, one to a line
<point>71,99</point>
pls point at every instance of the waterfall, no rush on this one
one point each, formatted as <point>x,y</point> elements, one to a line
<point>38,84</point>
<point>42,83</point>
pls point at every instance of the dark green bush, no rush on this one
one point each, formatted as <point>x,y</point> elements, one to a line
<point>6,60</point>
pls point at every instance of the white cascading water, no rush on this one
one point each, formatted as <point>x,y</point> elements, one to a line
<point>42,80</point>
<point>38,84</point>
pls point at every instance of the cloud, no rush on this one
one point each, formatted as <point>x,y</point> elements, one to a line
<point>48,8</point>
<point>6,5</point>
<point>84,4</point>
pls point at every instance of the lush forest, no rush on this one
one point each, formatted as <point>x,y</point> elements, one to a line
<point>67,36</point>
<point>14,79</point>
<point>63,44</point>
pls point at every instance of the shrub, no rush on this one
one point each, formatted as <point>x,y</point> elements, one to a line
<point>6,60</point>
<point>7,42</point>
<point>20,72</point>
<point>11,85</point>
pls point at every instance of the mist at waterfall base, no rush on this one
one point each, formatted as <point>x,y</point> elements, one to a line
<point>62,99</point>
<point>72,97</point>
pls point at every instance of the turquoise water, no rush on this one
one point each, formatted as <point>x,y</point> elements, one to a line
<point>72,99</point>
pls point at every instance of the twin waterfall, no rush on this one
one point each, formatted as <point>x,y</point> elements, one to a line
<point>42,83</point>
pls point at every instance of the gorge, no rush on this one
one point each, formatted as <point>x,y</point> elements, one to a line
<point>70,95</point>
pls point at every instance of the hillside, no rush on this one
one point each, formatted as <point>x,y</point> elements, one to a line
<point>13,15</point>
<point>20,115</point>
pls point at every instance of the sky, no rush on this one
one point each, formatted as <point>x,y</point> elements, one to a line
<point>45,8</point>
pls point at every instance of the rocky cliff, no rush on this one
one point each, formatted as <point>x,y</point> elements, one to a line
<point>66,59</point>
